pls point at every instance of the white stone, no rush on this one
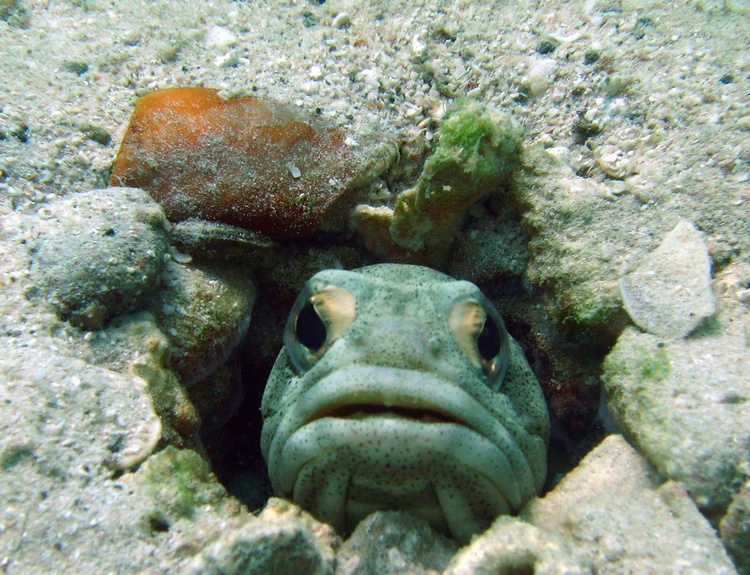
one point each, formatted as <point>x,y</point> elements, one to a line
<point>219,37</point>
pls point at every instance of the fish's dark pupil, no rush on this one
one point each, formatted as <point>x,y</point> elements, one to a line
<point>310,330</point>
<point>489,341</point>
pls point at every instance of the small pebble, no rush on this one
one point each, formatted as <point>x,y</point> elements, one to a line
<point>342,20</point>
<point>219,37</point>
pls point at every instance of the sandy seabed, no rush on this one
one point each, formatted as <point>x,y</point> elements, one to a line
<point>646,102</point>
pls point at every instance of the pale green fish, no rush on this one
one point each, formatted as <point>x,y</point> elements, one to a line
<point>399,388</point>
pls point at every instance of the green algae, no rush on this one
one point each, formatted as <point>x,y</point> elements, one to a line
<point>646,362</point>
<point>478,148</point>
<point>179,481</point>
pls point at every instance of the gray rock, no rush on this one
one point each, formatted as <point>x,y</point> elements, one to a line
<point>394,542</point>
<point>614,510</point>
<point>513,546</point>
<point>669,294</point>
<point>686,404</point>
<point>65,426</point>
<point>205,308</point>
<point>262,547</point>
<point>98,254</point>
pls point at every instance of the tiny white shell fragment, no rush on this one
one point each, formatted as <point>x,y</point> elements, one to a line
<point>294,170</point>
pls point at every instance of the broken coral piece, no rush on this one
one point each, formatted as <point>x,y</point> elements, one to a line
<point>479,147</point>
<point>246,161</point>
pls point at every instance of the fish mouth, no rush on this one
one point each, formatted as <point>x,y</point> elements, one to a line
<point>368,437</point>
<point>366,410</point>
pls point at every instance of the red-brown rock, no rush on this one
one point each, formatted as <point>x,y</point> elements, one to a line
<point>247,162</point>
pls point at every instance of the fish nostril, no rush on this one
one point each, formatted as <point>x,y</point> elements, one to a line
<point>435,346</point>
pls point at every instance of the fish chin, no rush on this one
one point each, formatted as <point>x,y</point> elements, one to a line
<point>345,468</point>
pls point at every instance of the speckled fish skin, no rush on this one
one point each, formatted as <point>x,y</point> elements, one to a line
<point>395,412</point>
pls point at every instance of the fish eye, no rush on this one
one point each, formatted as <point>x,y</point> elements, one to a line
<point>489,341</point>
<point>320,316</point>
<point>309,328</point>
<point>480,334</point>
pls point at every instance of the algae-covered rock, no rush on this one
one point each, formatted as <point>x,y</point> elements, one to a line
<point>576,245</point>
<point>177,482</point>
<point>479,148</point>
<point>684,403</point>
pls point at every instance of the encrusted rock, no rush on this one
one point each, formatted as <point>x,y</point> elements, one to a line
<point>615,511</point>
<point>669,294</point>
<point>577,247</point>
<point>244,161</point>
<point>264,546</point>
<point>205,309</point>
<point>99,254</point>
<point>394,542</point>
<point>479,148</point>
<point>176,483</point>
<point>686,403</point>
<point>143,350</point>
<point>217,241</point>
<point>513,546</point>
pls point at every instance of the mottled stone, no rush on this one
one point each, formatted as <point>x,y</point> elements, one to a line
<point>622,517</point>
<point>205,310</point>
<point>735,530</point>
<point>669,293</point>
<point>394,542</point>
<point>262,547</point>
<point>513,546</point>
<point>98,254</point>
<point>143,349</point>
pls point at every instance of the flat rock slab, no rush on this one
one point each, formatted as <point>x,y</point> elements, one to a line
<point>616,511</point>
<point>669,294</point>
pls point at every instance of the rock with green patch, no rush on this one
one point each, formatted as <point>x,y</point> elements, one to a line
<point>686,404</point>
<point>178,483</point>
<point>577,247</point>
<point>479,147</point>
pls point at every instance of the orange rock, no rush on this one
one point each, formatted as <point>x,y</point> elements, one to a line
<point>247,162</point>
